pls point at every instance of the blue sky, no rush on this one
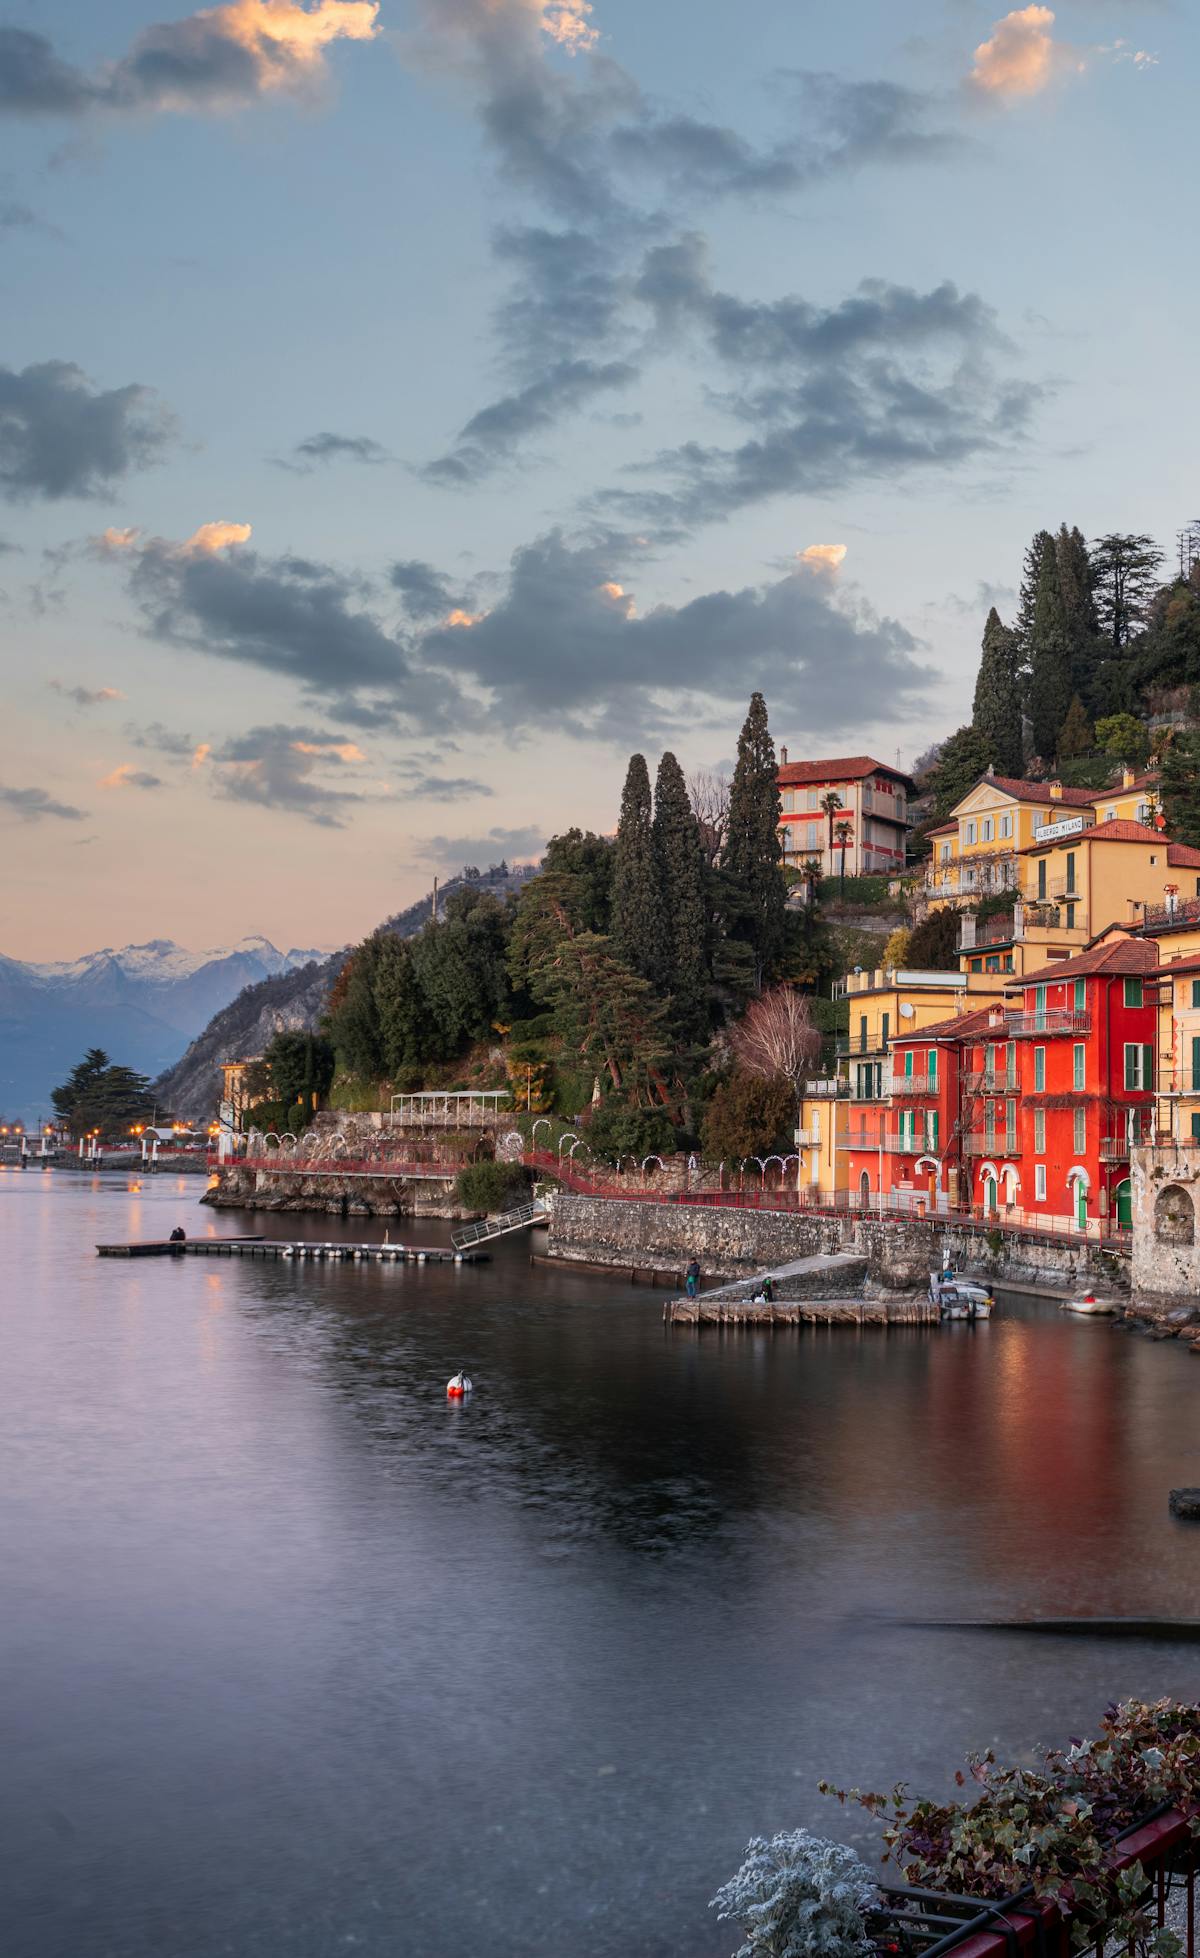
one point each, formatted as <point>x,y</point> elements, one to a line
<point>407,411</point>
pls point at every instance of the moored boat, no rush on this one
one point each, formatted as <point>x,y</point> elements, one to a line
<point>960,1298</point>
<point>1090,1307</point>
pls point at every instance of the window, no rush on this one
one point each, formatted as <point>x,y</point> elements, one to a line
<point>985,829</point>
<point>970,880</point>
<point>931,1130</point>
<point>1039,1006</point>
<point>969,833</point>
<point>1010,1125</point>
<point>1039,1182</point>
<point>1143,812</point>
<point>1006,825</point>
<point>989,1123</point>
<point>810,799</point>
<point>1070,870</point>
<point>989,1067</point>
<point>787,802</point>
<point>867,798</point>
<point>945,852</point>
<point>1133,992</point>
<point>908,1065</point>
<point>1079,1065</point>
<point>1139,1067</point>
<point>885,1026</point>
<point>1039,1131</point>
<point>1070,911</point>
<point>1196,1128</point>
<point>1080,994</point>
<point>1041,888</point>
<point>1080,1131</point>
<point>1010,1063</point>
<point>812,836</point>
<point>862,1034</point>
<point>1039,1070</point>
<point>1110,815</point>
<point>1196,992</point>
<point>1194,1084</point>
<point>933,1070</point>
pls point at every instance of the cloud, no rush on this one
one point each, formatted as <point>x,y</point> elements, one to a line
<point>281,768</point>
<point>496,846</point>
<point>887,381</point>
<point>495,432</point>
<point>425,593</point>
<point>446,788</point>
<point>33,805</point>
<point>86,696</point>
<point>60,436</point>
<point>220,58</point>
<point>296,619</point>
<point>823,559</point>
<point>328,447</point>
<point>1021,57</point>
<point>567,643</point>
<point>214,537</point>
<point>126,776</point>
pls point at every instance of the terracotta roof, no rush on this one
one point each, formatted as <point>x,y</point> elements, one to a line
<point>966,1025</point>
<point>1147,781</point>
<point>1115,955</point>
<point>844,768</point>
<point>1183,856</point>
<point>1189,964</point>
<point>942,829</point>
<point>1039,791</point>
<point>1118,829</point>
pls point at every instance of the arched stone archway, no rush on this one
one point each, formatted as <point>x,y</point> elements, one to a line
<point>1174,1215</point>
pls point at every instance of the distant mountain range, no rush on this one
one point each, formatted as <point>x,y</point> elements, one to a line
<point>294,1000</point>
<point>142,1003</point>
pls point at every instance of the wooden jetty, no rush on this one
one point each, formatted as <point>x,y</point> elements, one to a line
<point>716,1310</point>
<point>299,1248</point>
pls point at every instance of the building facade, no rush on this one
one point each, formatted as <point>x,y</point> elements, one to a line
<point>871,814</point>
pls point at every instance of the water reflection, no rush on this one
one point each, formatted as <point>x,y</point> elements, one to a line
<point>298,1656</point>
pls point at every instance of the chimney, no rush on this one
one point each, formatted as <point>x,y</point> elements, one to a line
<point>990,769</point>
<point>1128,778</point>
<point>1056,791</point>
<point>783,757</point>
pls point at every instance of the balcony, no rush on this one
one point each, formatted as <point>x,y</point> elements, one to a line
<point>975,933</point>
<point>848,1045</point>
<point>1158,917</point>
<point>1054,1020</point>
<point>1002,1143</point>
<point>827,1087</point>
<point>1115,1148</point>
<point>904,1085</point>
<point>891,1142</point>
<point>985,1081</point>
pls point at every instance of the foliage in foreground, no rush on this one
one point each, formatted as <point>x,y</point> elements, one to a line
<point>101,1094</point>
<point>1055,1827</point>
<point>492,1186</point>
<point>798,1896</point>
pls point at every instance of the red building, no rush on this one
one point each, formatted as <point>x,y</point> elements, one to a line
<point>1032,1106</point>
<point>869,826</point>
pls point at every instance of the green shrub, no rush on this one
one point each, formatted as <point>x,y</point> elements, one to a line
<point>615,1129</point>
<point>492,1186</point>
<point>748,1116</point>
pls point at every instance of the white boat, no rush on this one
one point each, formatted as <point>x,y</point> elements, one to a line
<point>1090,1307</point>
<point>960,1298</point>
<point>458,1386</point>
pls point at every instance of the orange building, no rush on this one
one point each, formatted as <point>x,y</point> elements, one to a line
<point>872,811</point>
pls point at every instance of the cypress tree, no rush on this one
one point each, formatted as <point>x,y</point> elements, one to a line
<point>1075,736</point>
<point>997,714</point>
<point>752,850</point>
<point>637,935</point>
<point>679,865</point>
<point>1050,657</point>
<point>1077,590</point>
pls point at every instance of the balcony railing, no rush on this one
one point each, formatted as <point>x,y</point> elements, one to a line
<point>1183,912</point>
<point>893,1142</point>
<point>912,1084</point>
<point>982,1081</point>
<point>850,1044</point>
<point>1115,1148</point>
<point>1005,1142</point>
<point>1054,1019</point>
<point>828,1087</point>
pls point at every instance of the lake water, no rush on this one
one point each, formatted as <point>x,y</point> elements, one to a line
<point>298,1659</point>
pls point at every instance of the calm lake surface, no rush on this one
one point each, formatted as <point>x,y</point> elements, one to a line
<point>297,1659</point>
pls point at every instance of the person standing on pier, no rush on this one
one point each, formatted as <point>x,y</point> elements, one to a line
<point>693,1278</point>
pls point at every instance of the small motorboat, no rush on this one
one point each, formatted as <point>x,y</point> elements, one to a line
<point>1090,1307</point>
<point>458,1385</point>
<point>960,1298</point>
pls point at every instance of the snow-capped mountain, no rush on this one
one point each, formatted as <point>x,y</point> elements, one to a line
<point>142,1003</point>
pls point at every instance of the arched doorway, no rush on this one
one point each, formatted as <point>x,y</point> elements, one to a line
<point>1077,1183</point>
<point>1174,1216</point>
<point>990,1192</point>
<point>864,1189</point>
<point>1123,1204</point>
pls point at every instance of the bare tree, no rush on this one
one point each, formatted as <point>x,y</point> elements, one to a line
<point>777,1039</point>
<point>709,796</point>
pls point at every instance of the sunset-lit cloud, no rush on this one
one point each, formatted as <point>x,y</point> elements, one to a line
<point>822,557</point>
<point>463,620</point>
<point>347,751</point>
<point>200,754</point>
<point>616,595</point>
<point>1021,55</point>
<point>217,59</point>
<point>86,696</point>
<point>567,23</point>
<point>214,537</point>
<point>111,540</point>
<point>129,777</point>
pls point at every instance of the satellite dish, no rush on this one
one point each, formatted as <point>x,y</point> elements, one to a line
<point>907,1012</point>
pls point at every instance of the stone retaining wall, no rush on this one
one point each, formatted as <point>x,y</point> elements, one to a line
<point>326,1193</point>
<point>899,1253</point>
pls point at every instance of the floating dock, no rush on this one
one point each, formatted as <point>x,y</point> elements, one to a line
<point>299,1248</point>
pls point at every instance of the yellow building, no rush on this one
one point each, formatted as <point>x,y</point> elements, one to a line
<point>821,1139</point>
<point>1136,801</point>
<point>978,851</point>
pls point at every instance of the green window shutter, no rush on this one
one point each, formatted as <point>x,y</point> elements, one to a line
<point>1133,992</point>
<point>1196,1128</point>
<point>933,1131</point>
<point>1039,1069</point>
<point>1194,1083</point>
<point>1147,1066</point>
<point>1079,1076</point>
<point>1196,992</point>
<point>1080,995</point>
<point>933,1069</point>
<point>1041,877</point>
<point>908,1065</point>
<point>885,1025</point>
<point>1131,1062</point>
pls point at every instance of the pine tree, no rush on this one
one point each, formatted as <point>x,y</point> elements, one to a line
<point>965,756</point>
<point>1181,789</point>
<point>1075,736</point>
<point>636,919</point>
<point>997,711</point>
<point>679,866</point>
<point>1125,568</point>
<point>1051,681</point>
<point>752,851</point>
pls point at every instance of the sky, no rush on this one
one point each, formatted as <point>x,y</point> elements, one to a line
<point>407,410</point>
